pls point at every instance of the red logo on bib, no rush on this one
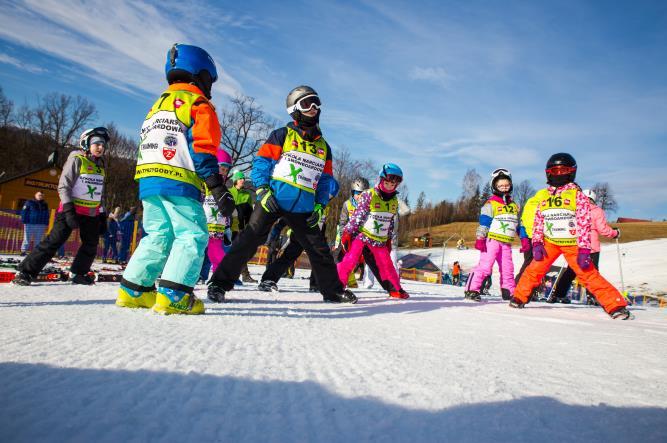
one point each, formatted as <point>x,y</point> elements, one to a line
<point>566,201</point>
<point>168,152</point>
<point>178,103</point>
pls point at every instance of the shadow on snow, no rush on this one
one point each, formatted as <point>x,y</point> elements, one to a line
<point>46,403</point>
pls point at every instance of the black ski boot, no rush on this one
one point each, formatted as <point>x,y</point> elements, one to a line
<point>246,277</point>
<point>564,300</point>
<point>268,286</point>
<point>621,314</point>
<point>472,295</point>
<point>505,294</point>
<point>215,292</point>
<point>22,279</point>
<point>346,296</point>
<point>516,303</point>
<point>83,279</point>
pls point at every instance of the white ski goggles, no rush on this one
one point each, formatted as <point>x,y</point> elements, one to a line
<point>501,171</point>
<point>305,104</point>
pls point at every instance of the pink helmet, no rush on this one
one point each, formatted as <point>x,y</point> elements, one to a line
<point>224,159</point>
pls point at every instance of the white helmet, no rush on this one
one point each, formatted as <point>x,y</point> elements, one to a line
<point>360,184</point>
<point>590,194</point>
<point>100,133</point>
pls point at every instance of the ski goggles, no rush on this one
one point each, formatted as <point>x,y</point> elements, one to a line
<point>305,104</point>
<point>501,171</point>
<point>393,178</point>
<point>561,170</point>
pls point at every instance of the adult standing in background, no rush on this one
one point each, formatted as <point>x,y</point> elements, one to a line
<point>126,224</point>
<point>35,218</point>
<point>110,238</point>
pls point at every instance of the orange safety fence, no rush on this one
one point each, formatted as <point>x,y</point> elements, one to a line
<point>420,275</point>
<point>261,258</point>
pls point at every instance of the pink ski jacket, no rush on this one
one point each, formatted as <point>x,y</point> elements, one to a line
<point>599,227</point>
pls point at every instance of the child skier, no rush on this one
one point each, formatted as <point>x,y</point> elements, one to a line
<point>293,173</point>
<point>179,139</point>
<point>372,225</point>
<point>498,225</point>
<point>81,190</point>
<point>243,201</point>
<point>219,233</point>
<point>367,261</point>
<point>563,226</point>
<point>599,227</point>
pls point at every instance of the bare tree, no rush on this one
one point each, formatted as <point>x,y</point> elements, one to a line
<point>522,192</point>
<point>605,197</point>
<point>245,127</point>
<point>421,199</point>
<point>486,192</point>
<point>120,161</point>
<point>470,184</point>
<point>6,110</point>
<point>66,116</point>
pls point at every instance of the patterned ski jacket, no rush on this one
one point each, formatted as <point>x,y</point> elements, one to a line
<point>581,231</point>
<point>361,215</point>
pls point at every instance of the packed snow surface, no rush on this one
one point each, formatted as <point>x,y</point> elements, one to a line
<point>288,367</point>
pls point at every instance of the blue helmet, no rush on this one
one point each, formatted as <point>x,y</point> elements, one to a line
<point>390,169</point>
<point>191,64</point>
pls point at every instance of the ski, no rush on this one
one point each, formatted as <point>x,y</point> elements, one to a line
<point>50,276</point>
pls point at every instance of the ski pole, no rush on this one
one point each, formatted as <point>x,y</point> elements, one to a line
<point>620,267</point>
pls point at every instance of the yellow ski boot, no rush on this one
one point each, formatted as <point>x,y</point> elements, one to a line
<point>172,301</point>
<point>352,281</point>
<point>127,298</point>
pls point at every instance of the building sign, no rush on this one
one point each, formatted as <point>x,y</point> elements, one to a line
<point>40,184</point>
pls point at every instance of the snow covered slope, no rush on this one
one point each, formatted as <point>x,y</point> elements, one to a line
<point>287,367</point>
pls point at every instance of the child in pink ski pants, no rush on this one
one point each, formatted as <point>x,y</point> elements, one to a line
<point>372,225</point>
<point>217,224</point>
<point>498,226</point>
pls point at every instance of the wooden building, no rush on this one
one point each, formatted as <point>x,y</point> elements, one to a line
<point>15,190</point>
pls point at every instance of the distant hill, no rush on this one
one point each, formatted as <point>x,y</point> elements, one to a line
<point>629,232</point>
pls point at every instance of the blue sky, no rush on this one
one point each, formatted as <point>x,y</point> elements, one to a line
<point>435,86</point>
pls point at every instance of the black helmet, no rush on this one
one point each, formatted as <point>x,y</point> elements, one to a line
<point>561,169</point>
<point>295,104</point>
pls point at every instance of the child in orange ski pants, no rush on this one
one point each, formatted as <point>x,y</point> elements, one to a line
<point>606,294</point>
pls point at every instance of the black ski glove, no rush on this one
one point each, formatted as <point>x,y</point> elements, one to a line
<point>70,216</point>
<point>314,218</point>
<point>267,200</point>
<point>223,199</point>
<point>103,223</point>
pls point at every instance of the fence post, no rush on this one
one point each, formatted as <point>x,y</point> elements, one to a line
<point>52,217</point>
<point>134,237</point>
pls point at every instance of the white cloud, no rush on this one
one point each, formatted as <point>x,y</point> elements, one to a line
<point>4,58</point>
<point>436,75</point>
<point>125,49</point>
